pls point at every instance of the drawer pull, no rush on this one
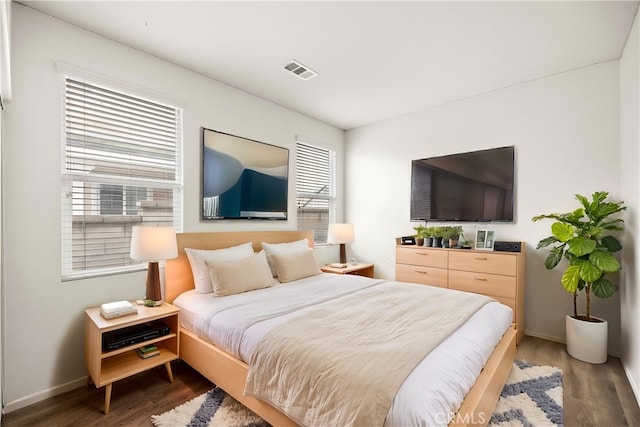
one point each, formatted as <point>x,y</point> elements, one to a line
<point>481,258</point>
<point>481,279</point>
<point>422,253</point>
<point>421,272</point>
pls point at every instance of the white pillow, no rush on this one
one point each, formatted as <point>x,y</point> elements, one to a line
<point>283,248</point>
<point>242,275</point>
<point>197,258</point>
<point>296,265</point>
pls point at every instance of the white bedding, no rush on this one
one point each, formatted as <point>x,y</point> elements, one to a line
<point>429,396</point>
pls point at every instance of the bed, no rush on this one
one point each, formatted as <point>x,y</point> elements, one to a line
<point>229,372</point>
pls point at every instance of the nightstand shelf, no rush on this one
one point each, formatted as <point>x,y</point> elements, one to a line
<point>106,367</point>
<point>356,270</point>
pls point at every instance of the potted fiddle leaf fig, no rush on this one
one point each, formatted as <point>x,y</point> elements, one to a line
<point>583,242</point>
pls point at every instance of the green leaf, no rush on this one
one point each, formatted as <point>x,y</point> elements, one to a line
<point>553,258</point>
<point>546,242</point>
<point>581,246</point>
<point>583,201</point>
<point>611,243</point>
<point>574,217</point>
<point>603,288</point>
<point>604,261</point>
<point>570,278</point>
<point>589,272</point>
<point>549,216</point>
<point>562,231</point>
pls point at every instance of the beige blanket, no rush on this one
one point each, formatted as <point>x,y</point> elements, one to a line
<point>342,363</point>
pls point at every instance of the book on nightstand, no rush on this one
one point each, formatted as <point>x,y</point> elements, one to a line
<point>147,351</point>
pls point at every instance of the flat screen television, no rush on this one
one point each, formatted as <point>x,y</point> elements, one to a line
<point>475,186</point>
<point>243,178</point>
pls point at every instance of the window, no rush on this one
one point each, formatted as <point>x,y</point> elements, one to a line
<point>122,167</point>
<point>315,187</point>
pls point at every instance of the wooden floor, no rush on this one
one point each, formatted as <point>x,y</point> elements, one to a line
<point>594,395</point>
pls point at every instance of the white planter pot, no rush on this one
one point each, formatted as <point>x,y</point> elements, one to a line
<point>587,341</point>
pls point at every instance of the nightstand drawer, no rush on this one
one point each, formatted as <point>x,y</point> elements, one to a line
<point>481,283</point>
<point>423,275</point>
<point>420,256</point>
<point>483,262</point>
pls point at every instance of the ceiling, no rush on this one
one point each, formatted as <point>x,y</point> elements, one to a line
<point>374,60</point>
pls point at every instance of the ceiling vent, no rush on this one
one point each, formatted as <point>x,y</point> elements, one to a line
<point>302,71</point>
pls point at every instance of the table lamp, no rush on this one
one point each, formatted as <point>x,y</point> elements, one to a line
<point>341,233</point>
<point>153,244</point>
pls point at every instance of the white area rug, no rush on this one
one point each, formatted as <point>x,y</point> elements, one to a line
<point>532,396</point>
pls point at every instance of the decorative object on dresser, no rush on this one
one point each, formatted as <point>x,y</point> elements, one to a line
<point>111,346</point>
<point>356,270</point>
<point>451,234</point>
<point>485,240</point>
<point>583,237</point>
<point>500,275</point>
<point>153,244</point>
<point>341,234</point>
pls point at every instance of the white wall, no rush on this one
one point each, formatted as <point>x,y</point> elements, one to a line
<point>42,316</point>
<point>566,132</point>
<point>630,187</point>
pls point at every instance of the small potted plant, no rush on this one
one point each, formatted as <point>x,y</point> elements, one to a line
<point>420,234</point>
<point>453,232</point>
<point>582,239</point>
<point>438,234</point>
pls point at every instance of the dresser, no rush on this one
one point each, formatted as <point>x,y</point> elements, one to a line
<point>500,275</point>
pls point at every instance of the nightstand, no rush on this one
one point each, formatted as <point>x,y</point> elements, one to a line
<point>107,366</point>
<point>356,270</point>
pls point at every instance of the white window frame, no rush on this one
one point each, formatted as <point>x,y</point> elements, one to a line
<point>73,175</point>
<point>330,169</point>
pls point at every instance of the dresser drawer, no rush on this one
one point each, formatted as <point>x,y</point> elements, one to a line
<point>482,283</point>
<point>485,263</point>
<point>420,256</point>
<point>423,275</point>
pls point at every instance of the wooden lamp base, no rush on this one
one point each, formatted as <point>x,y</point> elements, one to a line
<point>153,282</point>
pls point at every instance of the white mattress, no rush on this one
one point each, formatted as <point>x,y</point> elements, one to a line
<point>429,396</point>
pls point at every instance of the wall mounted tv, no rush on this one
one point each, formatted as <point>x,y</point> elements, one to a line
<point>474,186</point>
<point>243,178</point>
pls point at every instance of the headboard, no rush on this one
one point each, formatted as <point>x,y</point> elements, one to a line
<point>178,276</point>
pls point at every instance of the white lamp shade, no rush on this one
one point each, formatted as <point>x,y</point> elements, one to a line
<point>341,233</point>
<point>153,243</point>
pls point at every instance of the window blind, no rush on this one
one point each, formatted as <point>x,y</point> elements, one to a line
<point>315,188</point>
<point>122,167</point>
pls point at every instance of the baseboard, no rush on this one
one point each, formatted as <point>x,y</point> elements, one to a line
<point>545,337</point>
<point>632,383</point>
<point>43,395</point>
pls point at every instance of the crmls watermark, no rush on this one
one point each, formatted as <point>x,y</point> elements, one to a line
<point>468,418</point>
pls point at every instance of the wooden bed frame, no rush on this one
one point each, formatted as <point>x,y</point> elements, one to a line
<point>230,374</point>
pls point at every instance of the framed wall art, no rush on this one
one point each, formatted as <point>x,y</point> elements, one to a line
<point>243,178</point>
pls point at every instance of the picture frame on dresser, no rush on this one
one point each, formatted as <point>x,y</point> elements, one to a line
<point>485,240</point>
<point>481,237</point>
<point>490,240</point>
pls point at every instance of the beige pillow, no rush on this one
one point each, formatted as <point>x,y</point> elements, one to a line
<point>198,257</point>
<point>295,265</point>
<point>242,275</point>
<point>283,248</point>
